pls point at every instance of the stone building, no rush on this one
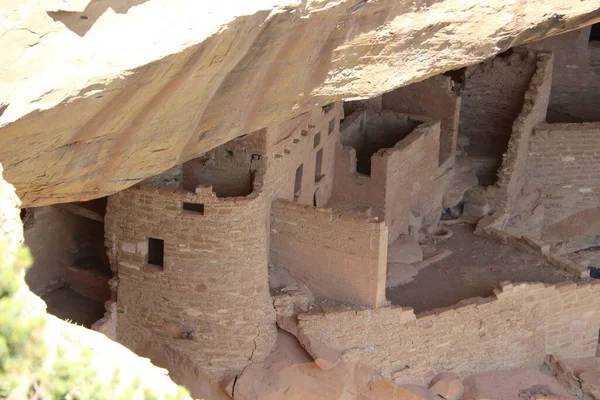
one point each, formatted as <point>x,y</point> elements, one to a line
<point>185,261</point>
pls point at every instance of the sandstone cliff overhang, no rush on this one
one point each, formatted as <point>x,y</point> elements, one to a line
<point>98,95</point>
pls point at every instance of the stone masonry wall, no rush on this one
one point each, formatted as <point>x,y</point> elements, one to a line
<point>404,179</point>
<point>433,98</point>
<point>512,175</point>
<point>492,98</point>
<point>564,159</point>
<point>575,93</point>
<point>516,327</point>
<point>211,300</point>
<point>297,142</point>
<point>341,256</point>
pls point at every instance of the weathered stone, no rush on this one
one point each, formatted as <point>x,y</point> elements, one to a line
<point>117,108</point>
<point>462,179</point>
<point>477,210</point>
<point>405,250</point>
<point>590,383</point>
<point>447,385</point>
<point>400,274</point>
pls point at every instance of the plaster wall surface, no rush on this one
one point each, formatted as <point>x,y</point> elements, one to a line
<point>564,160</point>
<point>210,299</point>
<point>342,256</point>
<point>575,93</point>
<point>516,327</point>
<point>492,98</point>
<point>404,178</point>
<point>433,98</point>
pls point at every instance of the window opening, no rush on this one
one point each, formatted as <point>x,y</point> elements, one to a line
<point>595,33</point>
<point>319,165</point>
<point>331,126</point>
<point>156,252</point>
<point>193,208</point>
<point>317,139</point>
<point>298,181</point>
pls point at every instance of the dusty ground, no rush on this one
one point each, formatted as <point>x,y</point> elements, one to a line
<point>67,304</point>
<point>475,268</point>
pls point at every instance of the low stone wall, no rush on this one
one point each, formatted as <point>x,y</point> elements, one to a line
<point>342,257</point>
<point>210,299</point>
<point>516,327</point>
<point>564,160</point>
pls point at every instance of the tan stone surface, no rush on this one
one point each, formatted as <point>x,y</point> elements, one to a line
<point>433,98</point>
<point>515,328</point>
<point>339,256</point>
<point>563,161</point>
<point>405,250</point>
<point>406,184</point>
<point>211,301</point>
<point>514,384</point>
<point>95,100</point>
<point>289,373</point>
<point>447,385</point>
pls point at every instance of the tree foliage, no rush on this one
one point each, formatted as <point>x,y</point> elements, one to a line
<point>29,370</point>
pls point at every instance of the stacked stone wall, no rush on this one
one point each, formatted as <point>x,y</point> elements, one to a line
<point>404,179</point>
<point>512,175</point>
<point>516,327</point>
<point>296,142</point>
<point>575,93</point>
<point>564,159</point>
<point>339,256</point>
<point>492,97</point>
<point>433,98</point>
<point>211,299</point>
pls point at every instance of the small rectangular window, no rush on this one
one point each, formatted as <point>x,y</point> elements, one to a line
<point>193,208</point>
<point>156,252</point>
<point>319,166</point>
<point>317,139</point>
<point>298,181</point>
<point>331,126</point>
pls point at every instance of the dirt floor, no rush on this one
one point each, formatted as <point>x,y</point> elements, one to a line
<point>475,268</point>
<point>69,305</point>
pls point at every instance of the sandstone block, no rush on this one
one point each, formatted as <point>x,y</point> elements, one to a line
<point>447,385</point>
<point>405,250</point>
<point>590,383</point>
<point>400,274</point>
<point>477,210</point>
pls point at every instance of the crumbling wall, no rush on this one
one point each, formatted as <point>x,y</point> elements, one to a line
<point>341,256</point>
<point>229,168</point>
<point>405,178</point>
<point>512,175</point>
<point>297,143</point>
<point>516,327</point>
<point>575,93</point>
<point>210,298</point>
<point>563,160</point>
<point>492,98</point>
<point>433,98</point>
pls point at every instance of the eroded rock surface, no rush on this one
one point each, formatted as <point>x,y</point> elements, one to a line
<point>145,85</point>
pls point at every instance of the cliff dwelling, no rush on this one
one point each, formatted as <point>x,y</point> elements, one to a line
<point>430,233</point>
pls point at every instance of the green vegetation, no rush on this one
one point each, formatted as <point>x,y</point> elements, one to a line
<point>24,357</point>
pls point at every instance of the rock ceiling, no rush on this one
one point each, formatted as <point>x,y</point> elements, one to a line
<point>97,95</point>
